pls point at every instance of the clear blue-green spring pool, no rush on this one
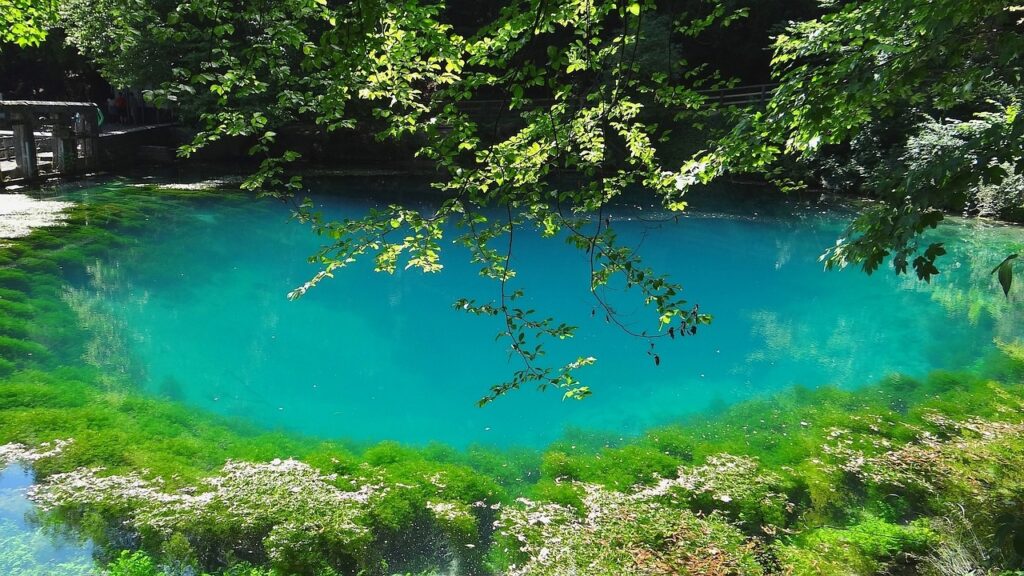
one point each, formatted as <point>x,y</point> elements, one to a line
<point>165,407</point>
<point>197,311</point>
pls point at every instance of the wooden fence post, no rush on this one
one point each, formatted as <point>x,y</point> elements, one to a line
<point>25,145</point>
<point>63,144</point>
<point>91,138</point>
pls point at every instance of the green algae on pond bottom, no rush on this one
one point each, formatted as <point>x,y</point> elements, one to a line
<point>818,459</point>
<point>807,483</point>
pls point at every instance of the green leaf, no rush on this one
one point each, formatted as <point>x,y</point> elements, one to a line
<point>1005,270</point>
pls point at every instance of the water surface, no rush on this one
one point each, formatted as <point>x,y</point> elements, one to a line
<point>28,549</point>
<point>201,303</point>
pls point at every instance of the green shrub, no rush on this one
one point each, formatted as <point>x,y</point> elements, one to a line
<point>613,467</point>
<point>134,564</point>
<point>388,453</point>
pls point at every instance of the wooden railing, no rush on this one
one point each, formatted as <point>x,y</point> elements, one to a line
<point>758,94</point>
<point>6,148</point>
<point>69,138</point>
<point>749,95</point>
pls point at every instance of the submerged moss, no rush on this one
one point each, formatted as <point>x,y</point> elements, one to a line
<point>871,546</point>
<point>854,474</point>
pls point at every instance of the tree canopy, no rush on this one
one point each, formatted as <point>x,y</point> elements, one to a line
<point>597,90</point>
<point>952,68</point>
<point>25,22</point>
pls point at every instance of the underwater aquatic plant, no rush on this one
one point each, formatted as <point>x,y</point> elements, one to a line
<point>621,533</point>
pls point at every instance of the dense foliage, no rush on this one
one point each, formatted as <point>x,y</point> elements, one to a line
<point>25,22</point>
<point>567,72</point>
<point>914,102</point>
<point>920,98</point>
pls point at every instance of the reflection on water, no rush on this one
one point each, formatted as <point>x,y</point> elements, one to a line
<point>20,214</point>
<point>973,297</point>
<point>370,356</point>
<point>26,549</point>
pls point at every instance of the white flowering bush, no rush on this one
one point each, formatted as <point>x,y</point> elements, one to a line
<point>734,485</point>
<point>284,510</point>
<point>619,533</point>
<point>11,453</point>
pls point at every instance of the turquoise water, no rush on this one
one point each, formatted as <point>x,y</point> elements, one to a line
<point>27,548</point>
<point>200,305</point>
